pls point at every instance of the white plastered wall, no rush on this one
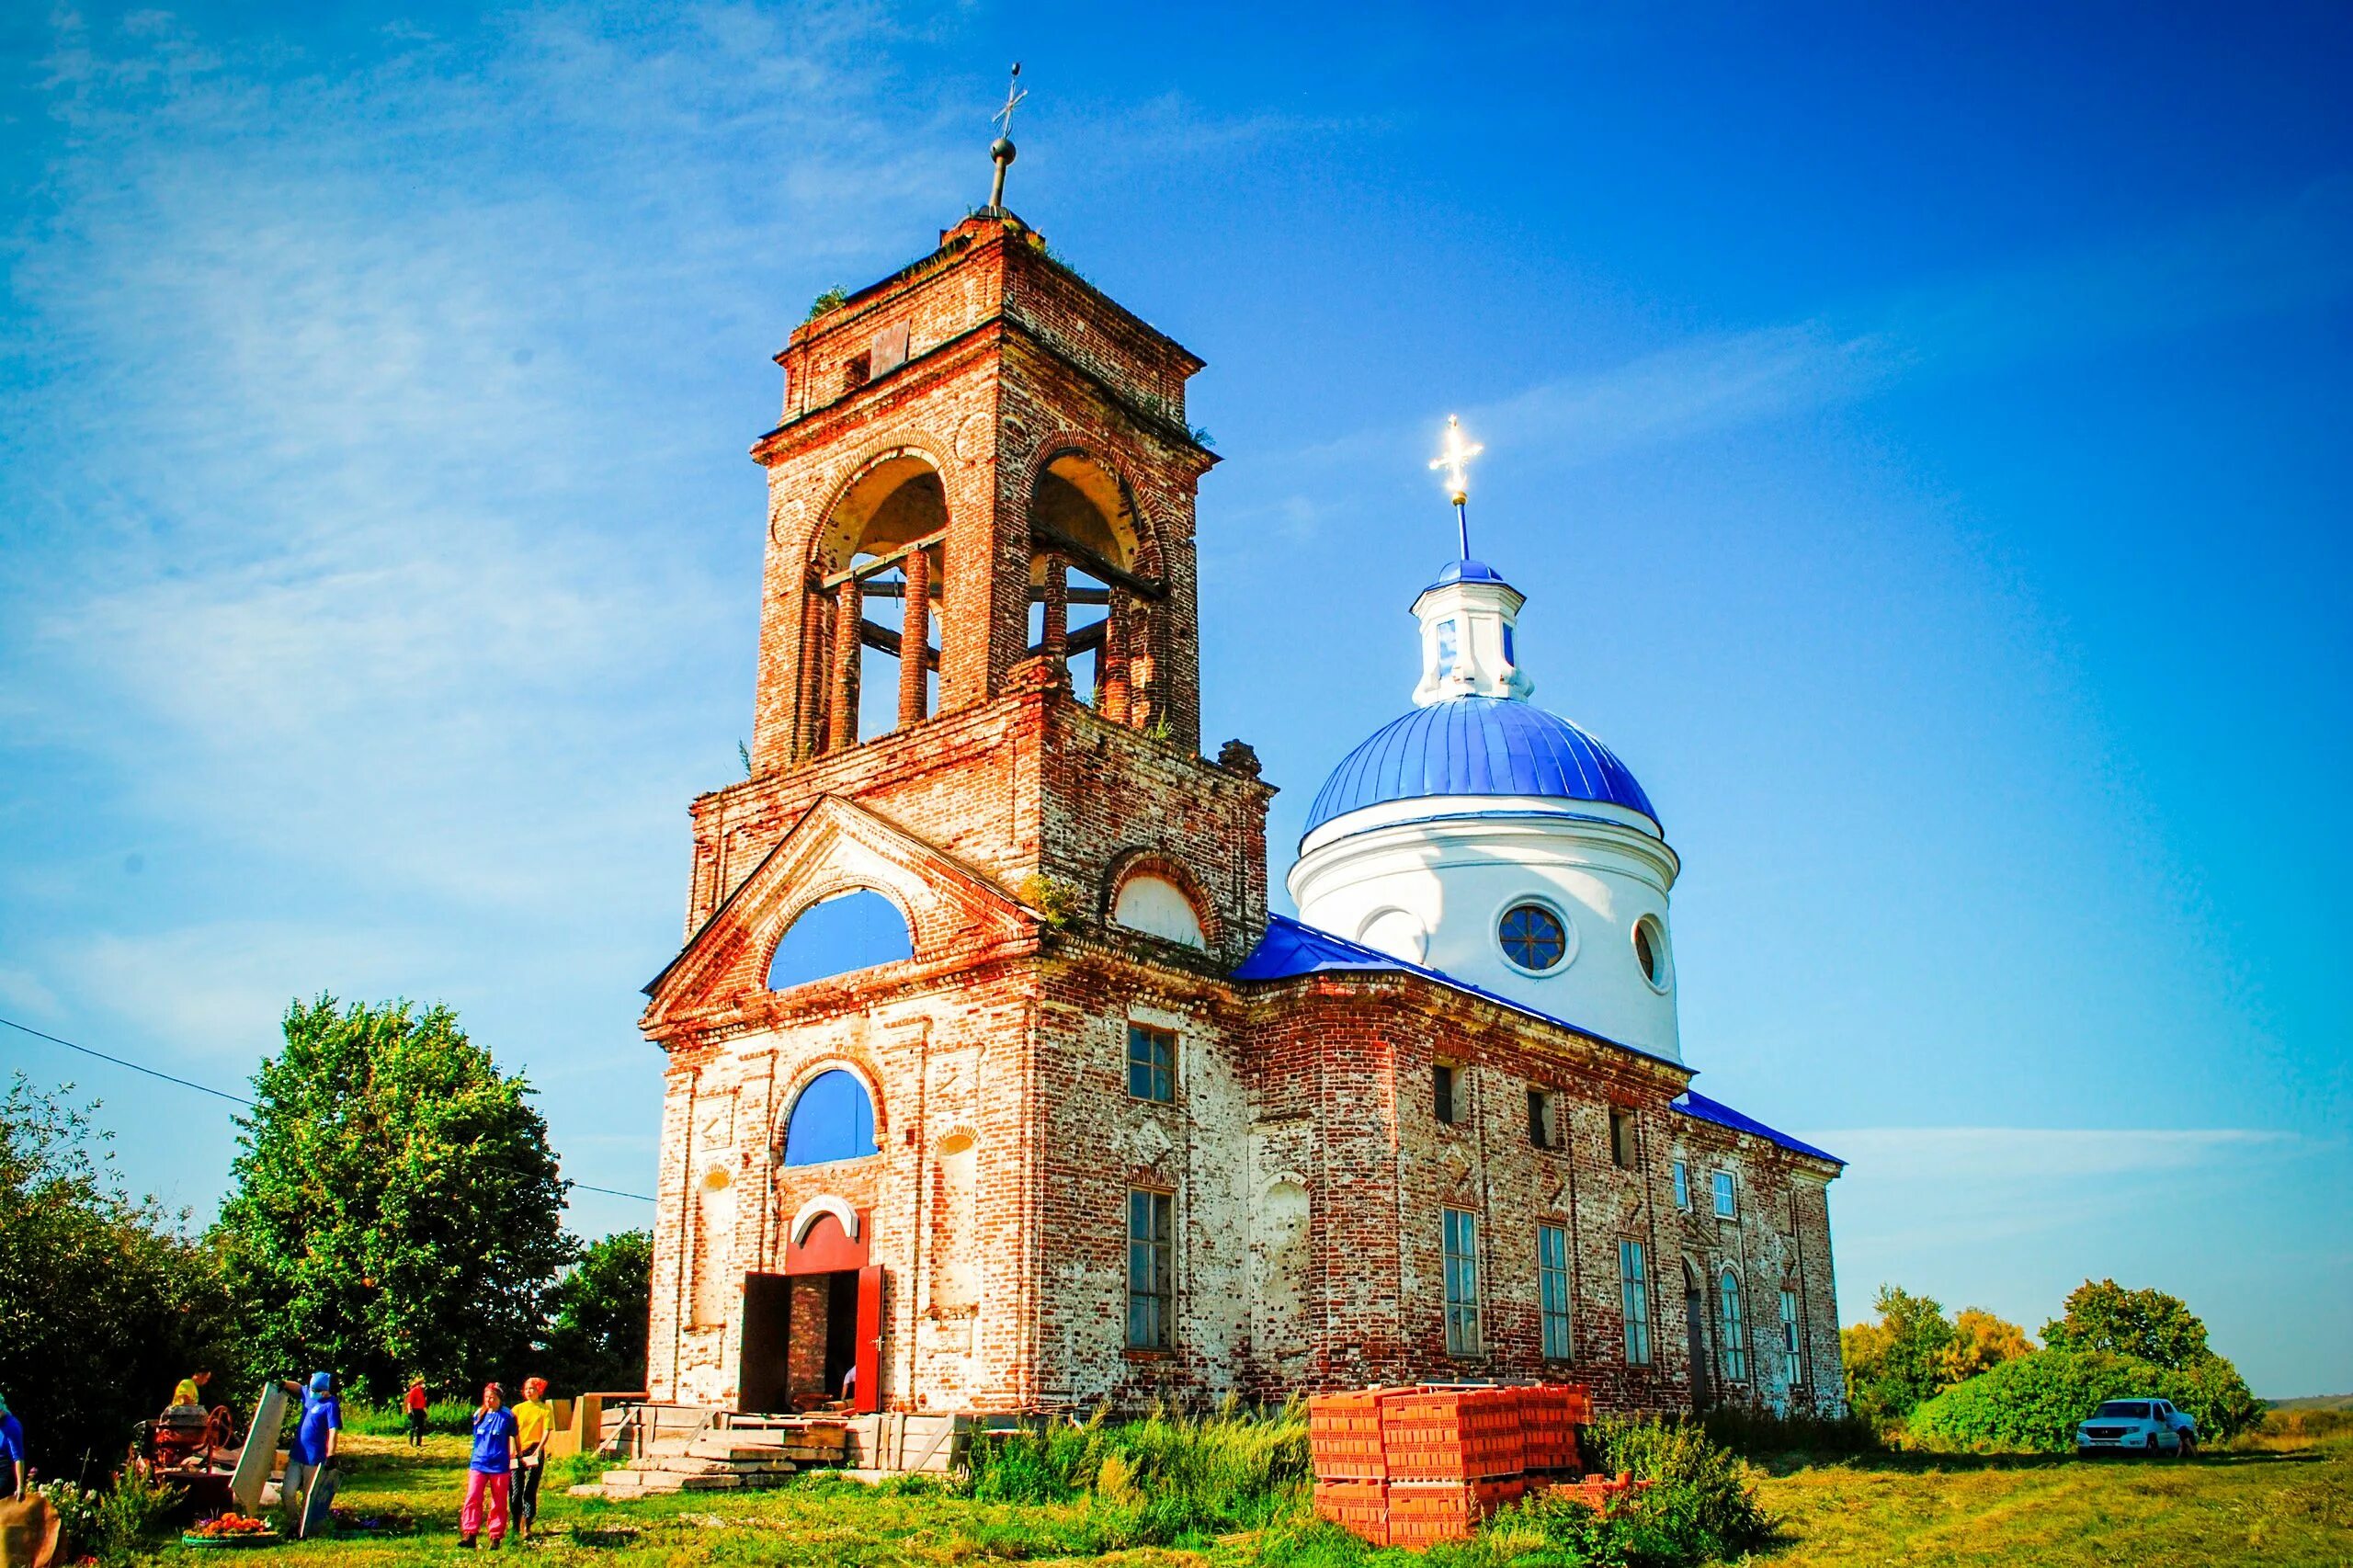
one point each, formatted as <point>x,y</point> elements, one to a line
<point>1449,869</point>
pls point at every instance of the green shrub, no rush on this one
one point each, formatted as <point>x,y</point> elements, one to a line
<point>2032,1404</point>
<point>131,1515</point>
<point>78,1515</point>
<point>2211,1389</point>
<point>1701,1502</point>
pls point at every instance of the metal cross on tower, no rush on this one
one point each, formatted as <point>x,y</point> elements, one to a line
<point>1453,456</point>
<point>1001,150</point>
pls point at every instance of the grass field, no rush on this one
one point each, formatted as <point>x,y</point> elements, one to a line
<point>2285,1500</point>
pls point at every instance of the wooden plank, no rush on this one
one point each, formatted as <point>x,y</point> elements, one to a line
<point>1085,639</point>
<point>885,639</point>
<point>318,1502</point>
<point>866,568</point>
<point>254,1460</point>
<point>1102,566</point>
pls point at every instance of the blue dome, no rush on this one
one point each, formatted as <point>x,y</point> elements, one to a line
<point>1466,572</point>
<point>1477,745</point>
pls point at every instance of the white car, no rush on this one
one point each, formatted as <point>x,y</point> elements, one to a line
<point>2137,1426</point>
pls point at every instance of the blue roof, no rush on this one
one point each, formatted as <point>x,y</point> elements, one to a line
<point>1467,572</point>
<point>1477,745</point>
<point>1292,947</point>
<point>1699,1107</point>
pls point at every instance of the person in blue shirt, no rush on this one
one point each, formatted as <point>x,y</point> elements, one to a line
<point>12,1454</point>
<point>313,1444</point>
<point>492,1468</point>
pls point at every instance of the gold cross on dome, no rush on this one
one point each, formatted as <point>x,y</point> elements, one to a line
<point>1453,456</point>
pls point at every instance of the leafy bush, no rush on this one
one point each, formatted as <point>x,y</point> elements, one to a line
<point>2211,1389</point>
<point>2034,1402</point>
<point>105,1301</point>
<point>77,1514</point>
<point>130,1513</point>
<point>1702,1499</point>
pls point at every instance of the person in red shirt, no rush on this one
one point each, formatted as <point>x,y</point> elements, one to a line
<point>416,1412</point>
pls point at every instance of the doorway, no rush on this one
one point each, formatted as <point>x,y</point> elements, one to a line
<point>799,1340</point>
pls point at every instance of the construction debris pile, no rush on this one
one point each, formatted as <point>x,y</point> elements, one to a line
<point>1414,1466</point>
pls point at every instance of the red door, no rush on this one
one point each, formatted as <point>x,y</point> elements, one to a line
<point>869,1339</point>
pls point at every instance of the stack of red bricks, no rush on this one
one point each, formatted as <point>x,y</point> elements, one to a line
<point>1414,1466</point>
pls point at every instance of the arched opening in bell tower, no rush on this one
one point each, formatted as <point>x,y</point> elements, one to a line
<point>1089,549</point>
<point>876,583</point>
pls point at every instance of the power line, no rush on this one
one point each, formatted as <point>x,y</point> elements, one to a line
<point>240,1099</point>
<point>183,1082</point>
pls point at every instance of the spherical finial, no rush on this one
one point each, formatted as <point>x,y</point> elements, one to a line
<point>1001,150</point>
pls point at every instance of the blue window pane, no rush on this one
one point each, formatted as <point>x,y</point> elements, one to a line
<point>1447,646</point>
<point>851,931</point>
<point>833,1119</point>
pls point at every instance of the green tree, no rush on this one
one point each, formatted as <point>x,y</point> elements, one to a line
<point>2162,1332</point>
<point>1897,1362</point>
<point>595,1340</point>
<point>397,1208</point>
<point>105,1301</point>
<point>2147,1326</point>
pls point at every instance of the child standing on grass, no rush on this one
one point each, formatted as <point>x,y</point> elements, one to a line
<point>533,1420</point>
<point>488,1471</point>
<point>416,1412</point>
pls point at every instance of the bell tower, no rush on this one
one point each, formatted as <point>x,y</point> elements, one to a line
<point>978,617</point>
<point>983,460</point>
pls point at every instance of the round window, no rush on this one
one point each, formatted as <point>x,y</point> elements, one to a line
<point>1533,938</point>
<point>1650,952</point>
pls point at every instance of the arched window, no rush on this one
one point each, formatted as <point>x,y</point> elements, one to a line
<point>851,930</point>
<point>1159,907</point>
<point>833,1119</point>
<point>879,560</point>
<point>1735,1340</point>
<point>1086,550</point>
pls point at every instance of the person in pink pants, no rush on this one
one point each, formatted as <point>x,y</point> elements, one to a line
<point>489,1473</point>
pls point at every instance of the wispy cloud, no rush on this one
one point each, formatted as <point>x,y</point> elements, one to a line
<point>1915,1188</point>
<point>2228,265</point>
<point>383,551</point>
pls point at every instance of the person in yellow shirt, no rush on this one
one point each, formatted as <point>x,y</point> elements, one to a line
<point>534,1419</point>
<point>191,1392</point>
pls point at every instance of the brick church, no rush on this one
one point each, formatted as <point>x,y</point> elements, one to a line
<point>993,1083</point>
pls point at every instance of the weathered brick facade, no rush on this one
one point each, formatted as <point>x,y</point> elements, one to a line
<point>970,436</point>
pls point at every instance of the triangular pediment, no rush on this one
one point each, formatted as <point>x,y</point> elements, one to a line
<point>953,910</point>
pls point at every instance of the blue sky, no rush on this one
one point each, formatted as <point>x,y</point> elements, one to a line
<point>1920,436</point>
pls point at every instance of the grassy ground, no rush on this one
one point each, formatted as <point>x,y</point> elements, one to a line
<point>2286,1502</point>
<point>2283,1500</point>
